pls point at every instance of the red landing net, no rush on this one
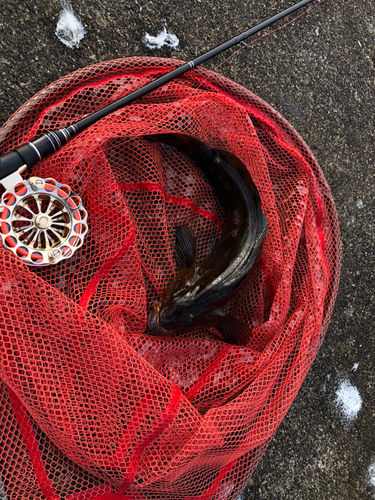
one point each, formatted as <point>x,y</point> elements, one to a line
<point>93,405</point>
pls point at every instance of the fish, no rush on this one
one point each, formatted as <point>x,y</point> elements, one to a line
<point>195,297</point>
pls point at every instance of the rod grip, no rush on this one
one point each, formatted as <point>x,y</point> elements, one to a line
<point>31,152</point>
<point>9,163</point>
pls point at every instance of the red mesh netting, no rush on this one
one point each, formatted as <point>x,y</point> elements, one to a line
<point>94,405</point>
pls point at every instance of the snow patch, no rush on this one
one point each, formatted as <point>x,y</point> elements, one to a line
<point>348,400</point>
<point>163,38</point>
<point>371,474</point>
<point>69,28</point>
<point>359,204</point>
<point>355,367</point>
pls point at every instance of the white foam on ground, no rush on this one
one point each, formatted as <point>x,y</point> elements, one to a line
<point>69,28</point>
<point>163,38</point>
<point>348,400</point>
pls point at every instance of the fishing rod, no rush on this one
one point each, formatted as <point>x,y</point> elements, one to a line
<point>50,236</point>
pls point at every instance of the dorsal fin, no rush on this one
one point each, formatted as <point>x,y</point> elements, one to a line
<point>185,247</point>
<point>234,330</point>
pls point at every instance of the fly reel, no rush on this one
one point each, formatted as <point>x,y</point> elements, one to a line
<point>42,221</point>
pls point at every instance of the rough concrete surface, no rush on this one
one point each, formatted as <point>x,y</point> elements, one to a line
<point>319,72</point>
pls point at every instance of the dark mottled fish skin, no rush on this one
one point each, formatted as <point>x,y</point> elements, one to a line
<point>193,299</point>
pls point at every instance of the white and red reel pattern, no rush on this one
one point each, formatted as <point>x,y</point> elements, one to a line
<point>42,221</point>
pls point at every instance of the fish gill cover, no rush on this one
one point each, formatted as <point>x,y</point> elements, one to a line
<point>93,404</point>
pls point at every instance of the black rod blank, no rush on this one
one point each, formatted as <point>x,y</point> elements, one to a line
<point>32,152</point>
<point>97,115</point>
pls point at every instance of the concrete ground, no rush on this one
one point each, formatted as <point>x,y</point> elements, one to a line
<point>319,72</point>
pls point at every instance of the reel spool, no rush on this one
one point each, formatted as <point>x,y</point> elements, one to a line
<point>42,221</point>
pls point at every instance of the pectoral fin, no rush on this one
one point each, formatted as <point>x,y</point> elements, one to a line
<point>185,247</point>
<point>233,330</point>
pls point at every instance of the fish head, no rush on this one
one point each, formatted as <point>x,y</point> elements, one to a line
<point>176,310</point>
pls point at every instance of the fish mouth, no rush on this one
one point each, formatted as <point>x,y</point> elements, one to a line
<point>154,319</point>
